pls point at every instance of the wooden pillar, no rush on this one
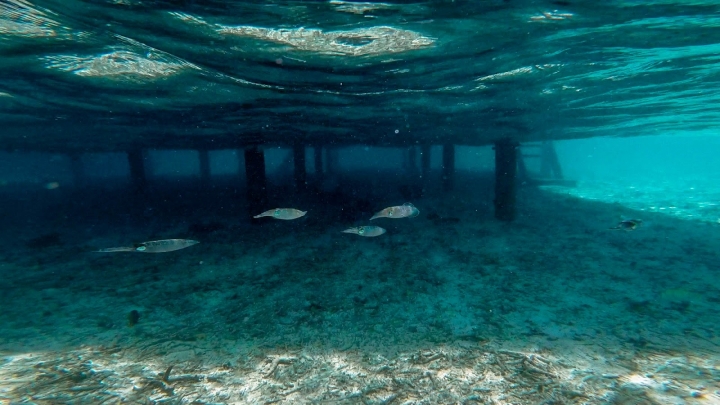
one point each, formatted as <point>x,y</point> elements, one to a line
<point>318,150</point>
<point>425,163</point>
<point>300,171</point>
<point>448,168</point>
<point>522,169</point>
<point>78,170</point>
<point>138,179</point>
<point>255,181</point>
<point>412,161</point>
<point>505,179</point>
<point>204,157</point>
<point>331,160</point>
<point>549,162</point>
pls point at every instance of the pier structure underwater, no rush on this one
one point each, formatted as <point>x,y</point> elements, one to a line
<point>506,179</point>
<point>508,163</point>
<point>251,284</point>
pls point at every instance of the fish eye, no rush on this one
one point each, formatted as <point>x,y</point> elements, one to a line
<point>276,213</point>
<point>140,248</point>
<point>361,230</point>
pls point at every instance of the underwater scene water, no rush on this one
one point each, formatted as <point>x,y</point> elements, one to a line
<point>335,202</point>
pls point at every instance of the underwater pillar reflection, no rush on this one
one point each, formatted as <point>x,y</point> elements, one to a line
<point>255,181</point>
<point>505,176</point>
<point>204,157</point>
<point>448,167</point>
<point>300,172</point>
<point>138,180</point>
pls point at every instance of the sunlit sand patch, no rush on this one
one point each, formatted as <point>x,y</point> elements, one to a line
<point>464,372</point>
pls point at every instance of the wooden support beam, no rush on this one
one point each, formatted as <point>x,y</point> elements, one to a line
<point>331,160</point>
<point>204,157</point>
<point>138,179</point>
<point>78,170</point>
<point>522,168</point>
<point>549,163</point>
<point>255,181</point>
<point>505,179</point>
<point>299,170</point>
<point>425,163</point>
<point>448,167</point>
<point>412,161</point>
<point>319,172</point>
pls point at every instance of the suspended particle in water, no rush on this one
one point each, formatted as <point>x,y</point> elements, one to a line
<point>397,131</point>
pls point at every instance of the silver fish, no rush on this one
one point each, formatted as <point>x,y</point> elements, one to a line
<point>406,210</point>
<point>153,246</point>
<point>368,231</point>
<point>282,213</point>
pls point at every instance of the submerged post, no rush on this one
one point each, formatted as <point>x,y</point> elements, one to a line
<point>505,173</point>
<point>138,179</point>
<point>78,170</point>
<point>255,182</point>
<point>299,167</point>
<point>448,169</point>
<point>331,160</point>
<point>412,161</point>
<point>318,164</point>
<point>425,163</point>
<point>549,162</point>
<point>204,157</point>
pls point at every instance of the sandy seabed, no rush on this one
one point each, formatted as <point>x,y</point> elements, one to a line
<point>446,308</point>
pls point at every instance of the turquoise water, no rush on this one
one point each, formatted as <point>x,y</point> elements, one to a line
<point>690,198</point>
<point>124,122</point>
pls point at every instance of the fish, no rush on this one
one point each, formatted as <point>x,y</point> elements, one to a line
<point>368,231</point>
<point>153,246</point>
<point>628,224</point>
<point>282,213</point>
<point>406,210</point>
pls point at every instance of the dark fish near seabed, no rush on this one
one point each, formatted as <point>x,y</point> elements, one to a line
<point>154,246</point>
<point>628,224</point>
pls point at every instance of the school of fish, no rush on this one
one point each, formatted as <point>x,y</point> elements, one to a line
<point>406,210</point>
